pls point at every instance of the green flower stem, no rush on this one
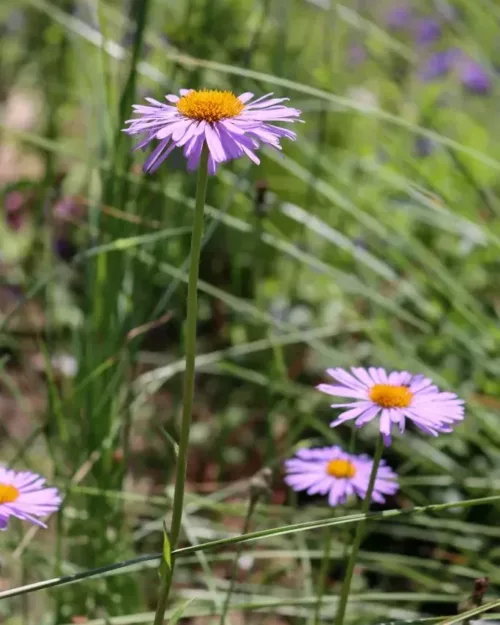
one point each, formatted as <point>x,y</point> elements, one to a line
<point>346,587</point>
<point>189,374</point>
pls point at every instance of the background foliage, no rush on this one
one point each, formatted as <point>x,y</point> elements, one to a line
<point>374,239</point>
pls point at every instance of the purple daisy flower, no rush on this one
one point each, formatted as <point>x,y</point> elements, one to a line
<point>333,472</point>
<point>474,77</point>
<point>396,396</point>
<point>427,30</point>
<point>231,126</point>
<point>22,494</point>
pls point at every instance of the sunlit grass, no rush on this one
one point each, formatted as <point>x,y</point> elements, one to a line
<point>362,252</point>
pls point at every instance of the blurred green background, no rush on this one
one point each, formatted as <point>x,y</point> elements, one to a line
<point>374,240</point>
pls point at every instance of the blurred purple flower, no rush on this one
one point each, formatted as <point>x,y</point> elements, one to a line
<point>399,17</point>
<point>439,64</point>
<point>68,208</point>
<point>356,54</point>
<point>424,147</point>
<point>65,249</point>
<point>427,30</point>
<point>474,77</point>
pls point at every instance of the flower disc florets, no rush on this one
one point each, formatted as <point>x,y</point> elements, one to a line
<point>209,105</point>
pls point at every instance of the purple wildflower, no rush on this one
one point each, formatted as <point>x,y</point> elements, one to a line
<point>397,396</point>
<point>333,472</point>
<point>474,77</point>
<point>356,55</point>
<point>399,17</point>
<point>65,249</point>
<point>424,146</point>
<point>22,494</point>
<point>69,208</point>
<point>427,30</point>
<point>230,126</point>
<point>438,64</point>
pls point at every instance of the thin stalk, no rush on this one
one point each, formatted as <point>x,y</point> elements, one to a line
<point>323,574</point>
<point>191,324</point>
<point>246,524</point>
<point>346,586</point>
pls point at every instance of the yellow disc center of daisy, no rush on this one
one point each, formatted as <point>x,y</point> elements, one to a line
<point>8,493</point>
<point>389,396</point>
<point>210,105</point>
<point>341,468</point>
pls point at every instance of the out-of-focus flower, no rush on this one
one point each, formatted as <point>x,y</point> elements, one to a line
<point>230,126</point>
<point>14,204</point>
<point>439,64</point>
<point>23,495</point>
<point>356,54</point>
<point>395,396</point>
<point>65,248</point>
<point>474,77</point>
<point>424,146</point>
<point>69,208</point>
<point>22,109</point>
<point>66,364</point>
<point>427,30</point>
<point>399,17</point>
<point>333,472</point>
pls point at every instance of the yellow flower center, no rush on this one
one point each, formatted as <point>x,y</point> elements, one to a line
<point>341,468</point>
<point>8,493</point>
<point>389,396</point>
<point>209,105</point>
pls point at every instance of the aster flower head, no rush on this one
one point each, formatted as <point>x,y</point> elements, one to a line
<point>333,472</point>
<point>395,397</point>
<point>23,495</point>
<point>230,126</point>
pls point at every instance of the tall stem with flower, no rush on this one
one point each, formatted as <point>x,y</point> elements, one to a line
<point>211,127</point>
<point>396,397</point>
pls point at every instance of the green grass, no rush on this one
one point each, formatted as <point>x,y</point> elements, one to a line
<point>364,253</point>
